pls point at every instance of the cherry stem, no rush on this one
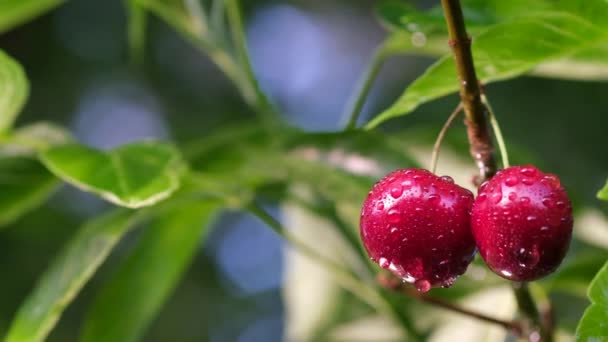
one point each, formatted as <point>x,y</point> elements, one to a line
<point>529,308</point>
<point>504,154</point>
<point>480,141</point>
<point>389,282</point>
<point>441,136</point>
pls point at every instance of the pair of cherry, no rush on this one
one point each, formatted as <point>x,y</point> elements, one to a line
<point>425,229</point>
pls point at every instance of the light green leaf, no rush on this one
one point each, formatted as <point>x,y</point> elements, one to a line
<point>503,51</point>
<point>15,12</point>
<point>603,193</point>
<point>133,175</point>
<point>132,298</point>
<point>25,184</point>
<point>14,89</point>
<point>33,138</point>
<point>68,274</point>
<point>594,324</point>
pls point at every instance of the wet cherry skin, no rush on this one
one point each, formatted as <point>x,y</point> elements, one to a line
<point>417,225</point>
<point>522,223</point>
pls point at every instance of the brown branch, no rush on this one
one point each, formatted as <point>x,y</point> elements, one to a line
<point>390,282</point>
<point>480,140</point>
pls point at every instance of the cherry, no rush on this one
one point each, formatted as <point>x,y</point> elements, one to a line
<point>417,225</point>
<point>522,222</point>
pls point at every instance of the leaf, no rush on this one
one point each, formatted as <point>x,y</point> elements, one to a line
<point>126,305</point>
<point>33,138</point>
<point>594,324</point>
<point>15,12</point>
<point>24,181</point>
<point>503,51</point>
<point>603,193</point>
<point>25,184</point>
<point>14,89</point>
<point>68,274</point>
<point>133,175</point>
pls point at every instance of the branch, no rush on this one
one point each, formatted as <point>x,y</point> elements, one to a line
<point>480,141</point>
<point>389,282</point>
<point>481,147</point>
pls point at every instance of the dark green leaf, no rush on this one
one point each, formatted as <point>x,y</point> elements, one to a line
<point>132,298</point>
<point>14,89</point>
<point>503,51</point>
<point>134,175</point>
<point>15,12</point>
<point>68,274</point>
<point>25,184</point>
<point>594,324</point>
<point>603,194</point>
<point>24,181</point>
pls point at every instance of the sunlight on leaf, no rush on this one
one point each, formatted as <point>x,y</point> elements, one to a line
<point>67,275</point>
<point>603,193</point>
<point>14,89</point>
<point>133,175</point>
<point>503,51</point>
<point>15,12</point>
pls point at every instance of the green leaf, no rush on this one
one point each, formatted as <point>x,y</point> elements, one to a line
<point>68,274</point>
<point>14,89</point>
<point>503,51</point>
<point>132,298</point>
<point>24,181</point>
<point>25,184</point>
<point>15,12</point>
<point>594,324</point>
<point>133,175</point>
<point>603,194</point>
<point>33,138</point>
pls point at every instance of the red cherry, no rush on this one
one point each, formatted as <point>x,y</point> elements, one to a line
<point>417,226</point>
<point>522,222</point>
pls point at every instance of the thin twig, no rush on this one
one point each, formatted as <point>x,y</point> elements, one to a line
<point>356,102</point>
<point>480,141</point>
<point>394,284</point>
<point>262,104</point>
<point>136,31</point>
<point>441,136</point>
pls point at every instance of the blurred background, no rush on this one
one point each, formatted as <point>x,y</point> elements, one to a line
<point>308,56</point>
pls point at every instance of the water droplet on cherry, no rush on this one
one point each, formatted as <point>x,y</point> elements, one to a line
<point>393,216</point>
<point>511,181</point>
<point>422,285</point>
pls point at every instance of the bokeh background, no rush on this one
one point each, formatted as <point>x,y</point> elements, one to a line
<point>308,55</point>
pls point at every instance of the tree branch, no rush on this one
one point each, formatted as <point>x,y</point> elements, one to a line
<point>481,147</point>
<point>389,282</point>
<point>480,141</point>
